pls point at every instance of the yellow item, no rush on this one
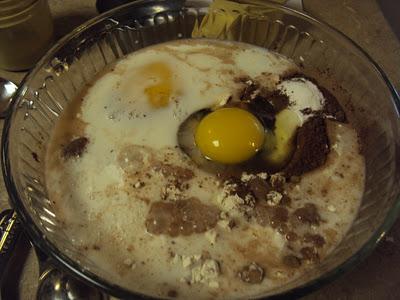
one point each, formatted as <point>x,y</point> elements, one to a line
<point>278,145</point>
<point>224,18</point>
<point>159,93</point>
<point>229,135</point>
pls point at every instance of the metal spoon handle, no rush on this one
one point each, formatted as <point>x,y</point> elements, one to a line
<point>10,230</point>
<point>7,90</point>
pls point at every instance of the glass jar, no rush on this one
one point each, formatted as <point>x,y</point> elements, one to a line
<point>26,30</point>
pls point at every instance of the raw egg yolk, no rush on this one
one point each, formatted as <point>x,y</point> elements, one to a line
<point>159,93</point>
<point>229,135</point>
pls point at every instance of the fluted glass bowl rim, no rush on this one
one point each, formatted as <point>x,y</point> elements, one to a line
<point>39,238</point>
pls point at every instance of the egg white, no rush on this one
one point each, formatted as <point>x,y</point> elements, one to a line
<point>116,107</point>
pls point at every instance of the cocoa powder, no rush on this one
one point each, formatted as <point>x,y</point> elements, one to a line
<point>312,148</point>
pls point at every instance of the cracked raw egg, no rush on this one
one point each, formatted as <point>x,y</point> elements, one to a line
<point>159,91</point>
<point>229,135</point>
<point>217,140</point>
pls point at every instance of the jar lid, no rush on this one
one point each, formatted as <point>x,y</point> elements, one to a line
<point>9,8</point>
<point>15,12</point>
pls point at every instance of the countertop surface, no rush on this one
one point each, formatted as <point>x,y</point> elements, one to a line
<point>378,277</point>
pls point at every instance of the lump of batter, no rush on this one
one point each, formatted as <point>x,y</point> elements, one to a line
<point>252,273</point>
<point>182,217</point>
<point>75,148</point>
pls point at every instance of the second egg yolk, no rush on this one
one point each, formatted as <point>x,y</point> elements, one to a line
<point>229,135</point>
<point>158,93</point>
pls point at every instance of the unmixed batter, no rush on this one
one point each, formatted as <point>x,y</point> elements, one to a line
<point>204,169</point>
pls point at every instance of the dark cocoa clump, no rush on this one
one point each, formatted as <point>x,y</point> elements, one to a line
<point>259,188</point>
<point>279,216</point>
<point>75,148</point>
<point>264,110</point>
<point>238,187</point>
<point>265,105</point>
<point>35,156</point>
<point>278,100</point>
<point>310,254</point>
<point>308,214</point>
<point>252,273</point>
<point>277,181</point>
<point>312,148</point>
<point>250,90</point>
<point>332,107</point>
<point>182,217</point>
<point>285,201</point>
<point>291,261</point>
<point>315,239</point>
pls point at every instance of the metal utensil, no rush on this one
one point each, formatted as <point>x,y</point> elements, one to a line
<point>53,283</point>
<point>10,230</point>
<point>7,90</point>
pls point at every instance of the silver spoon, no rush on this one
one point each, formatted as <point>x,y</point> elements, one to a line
<point>53,283</point>
<point>57,285</point>
<point>7,90</point>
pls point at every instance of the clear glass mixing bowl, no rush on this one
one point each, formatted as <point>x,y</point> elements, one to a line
<point>322,51</point>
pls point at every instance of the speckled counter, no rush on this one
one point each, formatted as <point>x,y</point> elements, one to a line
<point>378,277</point>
